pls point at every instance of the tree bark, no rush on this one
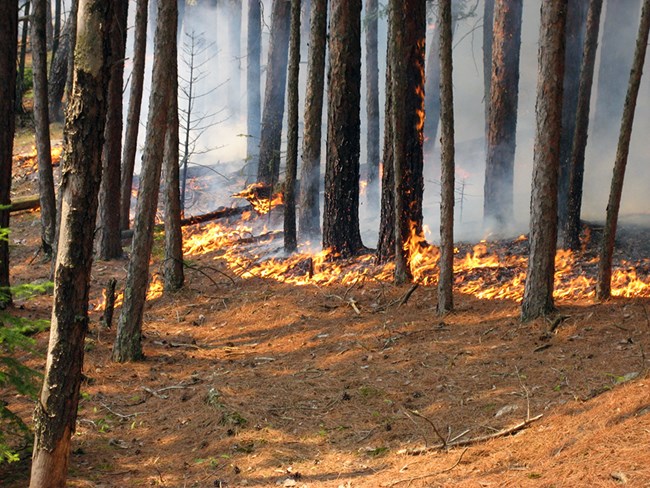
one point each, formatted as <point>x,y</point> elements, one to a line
<point>603,286</point>
<point>571,237</point>
<point>42,126</point>
<point>538,293</point>
<point>59,73</point>
<point>310,180</point>
<point>56,410</point>
<point>109,243</point>
<point>268,170</point>
<point>446,263</point>
<point>72,39</point>
<point>254,47</point>
<point>290,239</point>
<point>234,8</point>
<point>21,61</point>
<point>488,24</point>
<point>502,115</point>
<point>372,102</point>
<point>128,346</point>
<point>56,34</point>
<point>341,213</point>
<point>133,117</point>
<point>8,53</point>
<point>432,92</point>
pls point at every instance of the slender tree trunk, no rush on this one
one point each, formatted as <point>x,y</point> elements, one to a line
<point>109,243</point>
<point>341,219</point>
<point>276,79</point>
<point>488,24</point>
<point>42,127</point>
<point>56,410</point>
<point>59,74</point>
<point>8,53</point>
<point>310,180</point>
<point>128,345</point>
<point>254,47</point>
<point>502,115</point>
<point>372,101</point>
<point>290,239</point>
<point>432,92</point>
<point>72,39</point>
<point>20,88</point>
<point>133,117</point>
<point>56,34</point>
<point>446,263</point>
<point>234,8</point>
<point>571,238</point>
<point>603,286</point>
<point>538,294</point>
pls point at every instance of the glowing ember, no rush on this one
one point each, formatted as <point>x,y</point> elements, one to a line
<point>261,197</point>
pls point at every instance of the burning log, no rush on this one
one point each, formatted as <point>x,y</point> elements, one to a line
<point>261,197</point>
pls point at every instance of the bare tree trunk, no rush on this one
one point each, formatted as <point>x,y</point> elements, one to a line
<point>42,126</point>
<point>290,239</point>
<point>571,237</point>
<point>128,345</point>
<point>603,286</point>
<point>56,33</point>
<point>432,92</point>
<point>254,47</point>
<point>8,53</point>
<point>341,213</point>
<point>488,23</point>
<point>133,117</point>
<point>372,101</point>
<point>59,73</point>
<point>56,410</point>
<point>446,263</point>
<point>72,39</point>
<point>234,8</point>
<point>109,243</point>
<point>21,61</point>
<point>538,294</point>
<point>309,207</point>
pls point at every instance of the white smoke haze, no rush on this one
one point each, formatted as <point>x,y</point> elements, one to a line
<point>226,139</point>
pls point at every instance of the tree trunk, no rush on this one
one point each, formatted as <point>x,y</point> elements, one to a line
<point>341,213</point>
<point>56,410</point>
<point>128,346</point>
<point>575,35</point>
<point>432,92</point>
<point>372,102</point>
<point>59,73</point>
<point>21,61</point>
<point>408,29</point>
<point>290,239</point>
<point>502,115</point>
<point>56,34</point>
<point>603,286</point>
<point>133,117</point>
<point>234,8</point>
<point>538,294</point>
<point>72,39</point>
<point>109,243</point>
<point>42,126</point>
<point>309,207</point>
<point>254,47</point>
<point>446,263</point>
<point>8,53</point>
<point>268,170</point>
<point>488,24</point>
<point>571,238</point>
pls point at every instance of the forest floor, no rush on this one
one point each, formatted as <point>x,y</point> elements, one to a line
<point>250,382</point>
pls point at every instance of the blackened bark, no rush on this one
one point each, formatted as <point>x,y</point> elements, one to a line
<point>268,170</point>
<point>72,39</point>
<point>341,212</point>
<point>502,115</point>
<point>309,207</point>
<point>56,410</point>
<point>538,294</point>
<point>603,286</point>
<point>254,47</point>
<point>372,101</point>
<point>488,21</point>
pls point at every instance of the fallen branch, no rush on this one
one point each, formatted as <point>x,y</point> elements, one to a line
<point>429,475</point>
<point>29,202</point>
<point>408,294</point>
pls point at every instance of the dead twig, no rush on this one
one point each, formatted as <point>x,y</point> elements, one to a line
<point>429,475</point>
<point>407,295</point>
<point>435,429</point>
<point>123,416</point>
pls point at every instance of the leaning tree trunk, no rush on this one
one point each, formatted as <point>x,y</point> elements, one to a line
<point>133,117</point>
<point>538,294</point>
<point>254,47</point>
<point>502,115</point>
<point>603,286</point>
<point>8,52</point>
<point>290,239</point>
<point>109,243</point>
<point>372,102</point>
<point>56,409</point>
<point>571,231</point>
<point>309,207</point>
<point>128,345</point>
<point>341,212</point>
<point>446,263</point>
<point>268,170</point>
<point>42,126</point>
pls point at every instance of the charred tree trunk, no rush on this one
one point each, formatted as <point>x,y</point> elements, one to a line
<point>446,279</point>
<point>128,345</point>
<point>488,24</point>
<point>8,53</point>
<point>42,126</point>
<point>56,410</point>
<point>341,214</point>
<point>109,243</point>
<point>309,207</point>
<point>133,117</point>
<point>538,294</point>
<point>254,47</point>
<point>502,115</point>
<point>268,170</point>
<point>59,73</point>
<point>603,286</point>
<point>571,237</point>
<point>372,101</point>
